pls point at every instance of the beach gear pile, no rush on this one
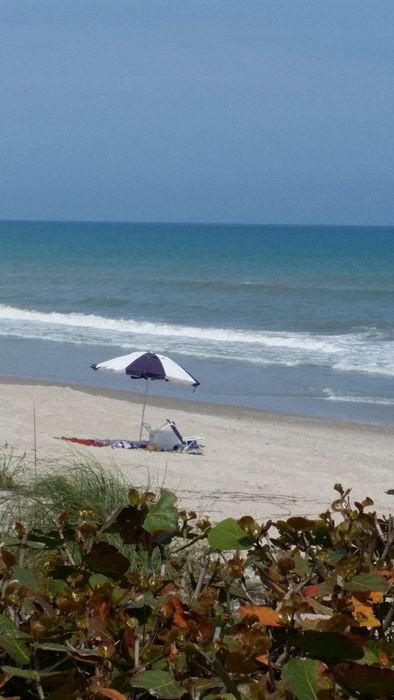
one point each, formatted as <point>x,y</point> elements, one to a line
<point>166,438</point>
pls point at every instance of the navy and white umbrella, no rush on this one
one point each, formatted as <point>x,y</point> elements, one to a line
<point>148,365</point>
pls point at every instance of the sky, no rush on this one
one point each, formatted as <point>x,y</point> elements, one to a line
<point>254,111</point>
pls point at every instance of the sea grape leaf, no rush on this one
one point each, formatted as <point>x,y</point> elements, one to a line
<point>27,579</point>
<point>106,559</point>
<point>20,672</point>
<point>229,535</point>
<point>57,586</point>
<point>64,571</point>
<point>7,557</point>
<point>377,652</point>
<point>238,592</point>
<point>162,515</point>
<point>302,566</point>
<point>335,556</point>
<point>302,678</point>
<point>366,582</point>
<point>303,524</point>
<point>331,647</point>
<point>264,614</point>
<point>16,649</point>
<point>363,614</point>
<point>29,674</point>
<point>98,580</point>
<point>51,538</point>
<point>238,662</point>
<point>13,641</point>
<point>321,536</point>
<point>159,683</point>
<point>368,680</point>
<point>32,544</point>
<point>127,521</point>
<point>369,657</point>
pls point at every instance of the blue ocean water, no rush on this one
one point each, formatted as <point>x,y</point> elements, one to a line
<point>293,319</point>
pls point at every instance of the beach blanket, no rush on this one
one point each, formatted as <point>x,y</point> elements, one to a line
<point>96,442</point>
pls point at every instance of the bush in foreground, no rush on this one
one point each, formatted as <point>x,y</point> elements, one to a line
<point>300,608</point>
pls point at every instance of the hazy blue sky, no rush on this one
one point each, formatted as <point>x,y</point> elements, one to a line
<point>197,110</point>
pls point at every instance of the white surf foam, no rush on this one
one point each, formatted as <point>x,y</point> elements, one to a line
<point>361,352</point>
<point>353,398</point>
<point>121,325</point>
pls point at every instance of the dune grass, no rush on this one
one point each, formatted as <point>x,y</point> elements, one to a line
<point>75,486</point>
<point>84,485</point>
<point>12,466</point>
<point>80,489</point>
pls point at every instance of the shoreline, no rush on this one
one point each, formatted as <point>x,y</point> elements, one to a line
<point>200,407</point>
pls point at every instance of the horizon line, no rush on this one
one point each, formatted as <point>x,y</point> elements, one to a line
<point>191,223</point>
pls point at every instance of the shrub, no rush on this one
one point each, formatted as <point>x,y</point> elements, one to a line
<point>300,608</point>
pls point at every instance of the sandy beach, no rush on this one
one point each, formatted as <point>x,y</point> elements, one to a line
<point>266,465</point>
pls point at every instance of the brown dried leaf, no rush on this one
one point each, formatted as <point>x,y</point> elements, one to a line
<point>265,615</point>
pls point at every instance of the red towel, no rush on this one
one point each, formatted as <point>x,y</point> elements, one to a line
<point>85,441</point>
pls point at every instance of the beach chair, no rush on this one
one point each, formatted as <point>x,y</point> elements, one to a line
<point>170,439</point>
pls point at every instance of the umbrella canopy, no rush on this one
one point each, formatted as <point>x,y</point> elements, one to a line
<point>148,365</point>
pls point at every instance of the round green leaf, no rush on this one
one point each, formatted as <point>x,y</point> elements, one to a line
<point>27,579</point>
<point>159,683</point>
<point>162,515</point>
<point>366,583</point>
<point>228,534</point>
<point>330,647</point>
<point>302,678</point>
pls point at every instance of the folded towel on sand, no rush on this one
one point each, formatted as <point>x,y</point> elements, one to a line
<point>96,442</point>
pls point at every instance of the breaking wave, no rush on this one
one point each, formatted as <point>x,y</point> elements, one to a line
<point>357,398</point>
<point>367,351</point>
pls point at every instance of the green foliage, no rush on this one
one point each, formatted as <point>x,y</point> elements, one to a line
<point>330,647</point>
<point>11,466</point>
<point>301,677</point>
<point>366,582</point>
<point>146,601</point>
<point>13,641</point>
<point>159,683</point>
<point>162,515</point>
<point>228,534</point>
<point>83,485</point>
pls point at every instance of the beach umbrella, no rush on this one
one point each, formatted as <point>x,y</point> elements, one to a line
<point>148,366</point>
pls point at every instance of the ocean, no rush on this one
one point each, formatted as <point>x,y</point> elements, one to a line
<point>296,319</point>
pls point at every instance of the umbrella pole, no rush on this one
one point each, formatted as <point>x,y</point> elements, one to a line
<point>143,407</point>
